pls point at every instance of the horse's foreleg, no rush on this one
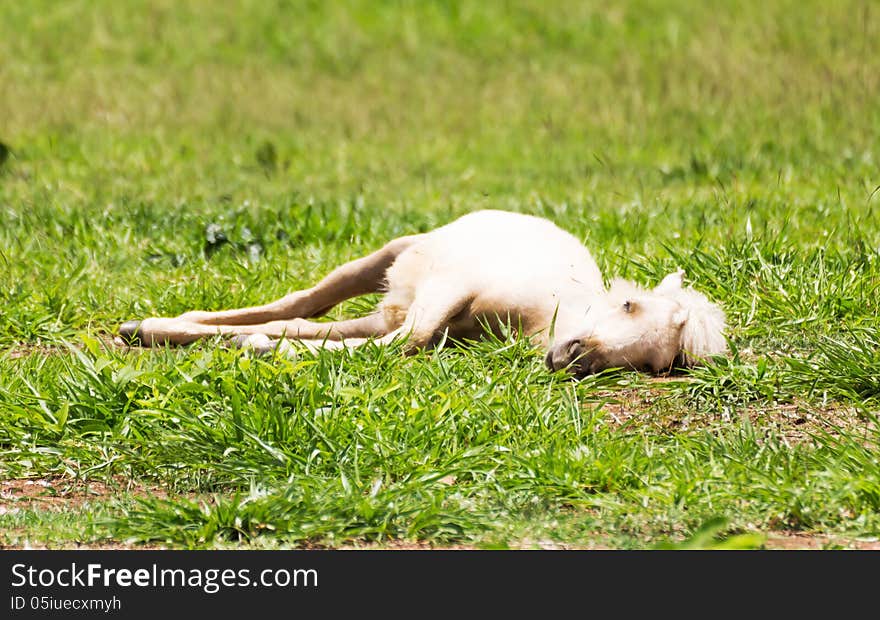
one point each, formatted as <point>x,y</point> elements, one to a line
<point>430,313</point>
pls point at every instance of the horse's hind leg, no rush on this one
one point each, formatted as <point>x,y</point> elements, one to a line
<point>176,331</point>
<point>433,307</point>
<point>359,277</point>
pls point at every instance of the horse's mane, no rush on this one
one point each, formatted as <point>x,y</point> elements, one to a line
<point>703,332</point>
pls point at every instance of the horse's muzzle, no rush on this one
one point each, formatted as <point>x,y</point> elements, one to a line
<point>576,356</point>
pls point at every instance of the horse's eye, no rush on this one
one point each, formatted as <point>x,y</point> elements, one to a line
<point>627,306</point>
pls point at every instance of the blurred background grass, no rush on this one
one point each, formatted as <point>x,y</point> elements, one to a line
<point>447,99</point>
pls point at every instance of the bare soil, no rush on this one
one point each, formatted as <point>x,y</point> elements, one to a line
<point>64,494</point>
<point>797,422</point>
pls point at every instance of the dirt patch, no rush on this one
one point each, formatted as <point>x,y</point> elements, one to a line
<point>26,349</point>
<point>800,541</point>
<point>654,407</point>
<point>393,545</point>
<point>64,494</point>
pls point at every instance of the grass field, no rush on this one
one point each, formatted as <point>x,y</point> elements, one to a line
<point>159,156</point>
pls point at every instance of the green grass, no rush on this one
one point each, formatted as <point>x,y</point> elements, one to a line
<point>162,156</point>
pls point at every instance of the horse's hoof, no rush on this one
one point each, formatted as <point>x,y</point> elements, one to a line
<point>242,341</point>
<point>129,333</point>
<point>259,344</point>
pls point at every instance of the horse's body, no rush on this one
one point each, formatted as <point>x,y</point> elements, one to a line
<point>482,270</point>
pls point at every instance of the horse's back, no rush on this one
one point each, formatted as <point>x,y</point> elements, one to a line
<point>501,239</point>
<point>508,256</point>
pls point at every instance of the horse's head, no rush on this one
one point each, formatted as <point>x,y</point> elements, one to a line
<point>648,330</point>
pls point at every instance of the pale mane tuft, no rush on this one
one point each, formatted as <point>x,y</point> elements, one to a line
<point>703,333</point>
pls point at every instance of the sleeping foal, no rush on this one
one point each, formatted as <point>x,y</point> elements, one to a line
<point>482,271</point>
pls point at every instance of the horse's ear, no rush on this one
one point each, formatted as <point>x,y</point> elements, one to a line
<point>671,283</point>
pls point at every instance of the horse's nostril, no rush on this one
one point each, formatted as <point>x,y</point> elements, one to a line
<point>571,354</point>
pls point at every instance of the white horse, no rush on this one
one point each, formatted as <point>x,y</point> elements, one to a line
<point>482,271</point>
